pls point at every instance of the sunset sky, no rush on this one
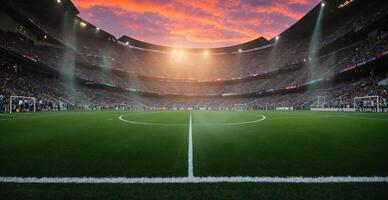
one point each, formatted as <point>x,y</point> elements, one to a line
<point>194,23</point>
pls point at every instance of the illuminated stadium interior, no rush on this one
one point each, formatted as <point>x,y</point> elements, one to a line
<point>287,65</point>
<point>57,65</point>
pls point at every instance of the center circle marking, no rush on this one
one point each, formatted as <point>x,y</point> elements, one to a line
<point>262,118</point>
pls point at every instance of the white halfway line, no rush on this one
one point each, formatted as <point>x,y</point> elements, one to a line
<point>161,180</point>
<point>190,151</point>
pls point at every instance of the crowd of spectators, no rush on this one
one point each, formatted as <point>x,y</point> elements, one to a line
<point>105,53</point>
<point>47,93</point>
<point>325,66</point>
<point>342,95</point>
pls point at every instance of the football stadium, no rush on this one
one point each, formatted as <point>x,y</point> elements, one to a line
<point>85,114</point>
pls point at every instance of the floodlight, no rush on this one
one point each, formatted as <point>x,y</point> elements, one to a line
<point>82,24</point>
<point>58,1</point>
<point>323,4</point>
<point>240,50</point>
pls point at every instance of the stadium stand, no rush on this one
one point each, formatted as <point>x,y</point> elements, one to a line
<point>89,67</point>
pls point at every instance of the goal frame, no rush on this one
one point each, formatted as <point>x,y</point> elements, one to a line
<point>23,97</point>
<point>241,105</point>
<point>61,99</point>
<point>320,103</point>
<point>367,97</point>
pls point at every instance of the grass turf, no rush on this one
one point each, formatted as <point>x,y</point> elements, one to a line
<point>91,144</point>
<point>285,144</point>
<point>359,191</point>
<point>293,144</point>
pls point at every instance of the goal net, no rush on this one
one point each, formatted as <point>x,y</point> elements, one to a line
<point>366,104</point>
<point>321,101</point>
<point>22,104</point>
<point>65,104</point>
<point>240,107</point>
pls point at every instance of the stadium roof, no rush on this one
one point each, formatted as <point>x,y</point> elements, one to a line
<point>261,41</point>
<point>299,29</point>
<point>48,5</point>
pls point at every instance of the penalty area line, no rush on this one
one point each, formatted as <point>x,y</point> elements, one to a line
<point>164,180</point>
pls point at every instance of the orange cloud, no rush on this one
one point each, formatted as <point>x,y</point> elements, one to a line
<point>194,22</point>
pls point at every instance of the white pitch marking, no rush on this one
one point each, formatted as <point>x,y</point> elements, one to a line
<point>326,116</point>
<point>161,180</point>
<point>234,123</point>
<point>190,156</point>
<point>31,116</point>
<point>121,118</point>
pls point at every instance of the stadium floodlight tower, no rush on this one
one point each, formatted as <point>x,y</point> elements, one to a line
<point>316,35</point>
<point>20,102</point>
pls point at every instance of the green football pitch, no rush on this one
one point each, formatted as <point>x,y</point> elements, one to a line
<point>194,155</point>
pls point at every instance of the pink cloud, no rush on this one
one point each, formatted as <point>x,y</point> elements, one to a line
<point>196,23</point>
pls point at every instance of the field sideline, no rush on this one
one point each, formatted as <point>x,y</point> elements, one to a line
<point>220,146</point>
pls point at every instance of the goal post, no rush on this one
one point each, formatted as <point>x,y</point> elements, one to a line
<point>321,101</point>
<point>366,103</point>
<point>65,104</point>
<point>22,103</point>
